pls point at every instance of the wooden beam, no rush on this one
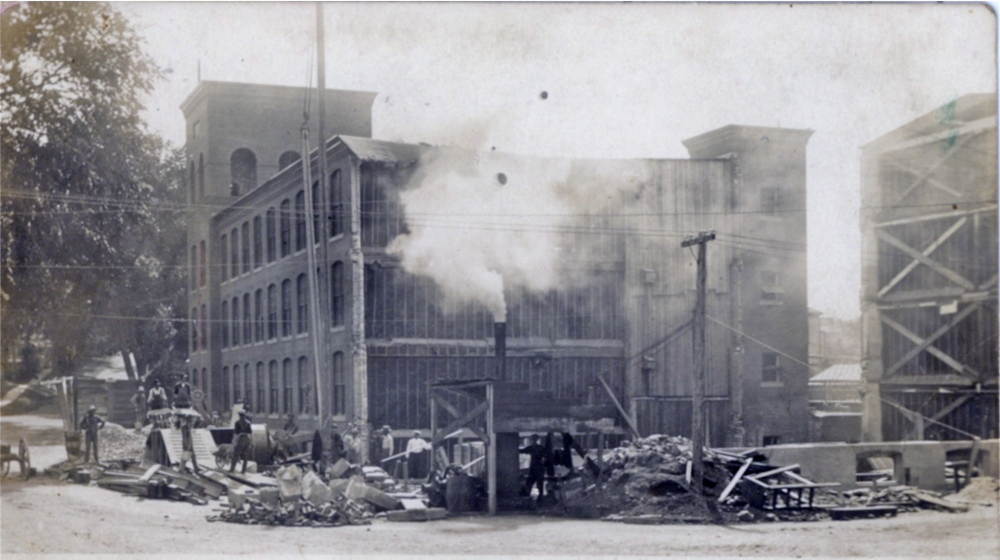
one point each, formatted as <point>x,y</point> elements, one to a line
<point>733,481</point>
<point>772,472</point>
<point>915,338</point>
<point>934,182</point>
<point>931,217</point>
<point>968,129</point>
<point>446,405</point>
<point>931,379</point>
<point>954,149</point>
<point>491,454</point>
<point>933,337</point>
<point>628,420</point>
<point>925,260</point>
<point>461,421</point>
<point>952,406</point>
<point>926,253</point>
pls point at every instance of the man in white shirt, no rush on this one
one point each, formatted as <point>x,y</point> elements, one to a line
<point>416,457</point>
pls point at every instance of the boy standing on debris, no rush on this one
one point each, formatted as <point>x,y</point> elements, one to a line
<point>387,443</point>
<point>241,451</point>
<point>90,424</point>
<point>187,444</point>
<point>182,393</point>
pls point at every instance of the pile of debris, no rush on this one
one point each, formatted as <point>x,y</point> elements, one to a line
<point>904,498</point>
<point>117,442</point>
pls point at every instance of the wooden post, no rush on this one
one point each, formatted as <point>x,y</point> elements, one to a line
<point>698,397</point>
<point>491,453</point>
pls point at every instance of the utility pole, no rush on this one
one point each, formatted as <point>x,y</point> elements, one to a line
<point>698,336</point>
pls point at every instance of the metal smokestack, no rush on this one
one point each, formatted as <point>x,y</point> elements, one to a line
<point>500,342</point>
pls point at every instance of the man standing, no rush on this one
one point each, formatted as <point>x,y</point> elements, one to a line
<point>90,424</point>
<point>187,443</point>
<point>386,448</point>
<point>536,468</point>
<point>241,449</point>
<point>415,457</point>
<point>182,393</point>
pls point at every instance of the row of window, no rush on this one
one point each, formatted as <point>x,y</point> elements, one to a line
<point>255,317</point>
<point>272,391</point>
<point>266,238</point>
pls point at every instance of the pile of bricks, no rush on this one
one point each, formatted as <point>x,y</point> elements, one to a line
<point>296,513</point>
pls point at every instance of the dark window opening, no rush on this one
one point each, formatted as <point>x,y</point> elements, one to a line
<point>286,228</point>
<point>337,296</point>
<point>770,368</point>
<point>258,248</point>
<point>288,158</point>
<point>243,171</point>
<point>247,320</point>
<point>337,214</point>
<point>770,200</point>
<point>225,324</point>
<point>272,242</point>
<point>300,221</point>
<point>272,312</point>
<point>339,385</point>
<point>286,308</point>
<point>234,252</point>
<point>302,301</point>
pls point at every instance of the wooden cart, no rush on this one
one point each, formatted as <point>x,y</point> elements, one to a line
<point>22,457</point>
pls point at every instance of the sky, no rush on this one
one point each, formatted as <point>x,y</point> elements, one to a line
<point>622,80</point>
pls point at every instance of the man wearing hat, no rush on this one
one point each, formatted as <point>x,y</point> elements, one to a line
<point>90,424</point>
<point>138,401</point>
<point>417,461</point>
<point>241,449</point>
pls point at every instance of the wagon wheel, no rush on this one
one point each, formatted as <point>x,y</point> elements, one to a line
<point>5,465</point>
<point>221,462</point>
<point>24,458</point>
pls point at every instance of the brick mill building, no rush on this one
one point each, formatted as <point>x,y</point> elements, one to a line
<point>387,333</point>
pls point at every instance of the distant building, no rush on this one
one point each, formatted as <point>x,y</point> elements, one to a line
<point>929,275</point>
<point>835,404</point>
<point>388,333</point>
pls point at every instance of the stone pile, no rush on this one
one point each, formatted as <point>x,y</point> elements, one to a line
<point>117,443</point>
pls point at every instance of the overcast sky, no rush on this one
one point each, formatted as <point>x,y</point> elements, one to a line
<point>623,80</point>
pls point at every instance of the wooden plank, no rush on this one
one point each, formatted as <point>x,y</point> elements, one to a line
<point>968,129</point>
<point>952,406</point>
<point>462,421</point>
<point>772,472</point>
<point>446,405</point>
<point>939,502</point>
<point>932,338</point>
<point>931,217</point>
<point>925,260</point>
<point>926,253</point>
<point>956,148</point>
<point>628,420</point>
<point>149,473</point>
<point>734,481</point>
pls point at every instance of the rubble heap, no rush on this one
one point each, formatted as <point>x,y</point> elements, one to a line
<point>117,443</point>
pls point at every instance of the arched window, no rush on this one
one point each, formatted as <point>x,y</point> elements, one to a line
<point>192,184</point>
<point>317,211</point>
<point>202,261</point>
<point>243,171</point>
<point>289,396</point>
<point>272,387</point>
<point>286,227</point>
<point>272,312</point>
<point>337,214</point>
<point>258,247</point>
<point>272,242</point>
<point>245,246</point>
<point>234,253</point>
<point>226,388</point>
<point>224,256</point>
<point>193,273</point>
<point>288,158</point>
<point>339,385</point>
<point>337,299</point>
<point>260,403</point>
<point>237,385</point>
<point>204,379</point>
<point>258,315</point>
<point>300,221</point>
<point>201,175</point>
<point>305,388</point>
<point>247,320</point>
<point>302,301</point>
<point>236,321</point>
<point>247,386</point>
<point>203,331</point>
<point>286,308</point>
<point>194,329</point>
<point>225,323</point>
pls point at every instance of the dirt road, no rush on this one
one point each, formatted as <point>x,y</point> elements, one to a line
<point>43,516</point>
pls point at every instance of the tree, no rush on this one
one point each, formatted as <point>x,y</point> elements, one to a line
<point>89,193</point>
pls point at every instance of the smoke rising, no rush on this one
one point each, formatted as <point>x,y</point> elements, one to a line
<point>482,221</point>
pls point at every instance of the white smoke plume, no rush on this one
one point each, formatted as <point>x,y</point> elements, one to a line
<point>480,221</point>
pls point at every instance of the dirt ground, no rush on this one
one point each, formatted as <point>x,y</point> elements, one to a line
<point>46,516</point>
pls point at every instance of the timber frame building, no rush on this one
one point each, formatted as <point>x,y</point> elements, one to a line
<point>929,276</point>
<point>387,334</point>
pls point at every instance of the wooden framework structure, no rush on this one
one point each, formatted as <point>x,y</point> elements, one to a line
<point>503,408</point>
<point>929,276</point>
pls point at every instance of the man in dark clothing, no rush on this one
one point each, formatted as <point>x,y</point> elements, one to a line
<point>241,449</point>
<point>536,468</point>
<point>90,424</point>
<point>182,393</point>
<point>336,446</point>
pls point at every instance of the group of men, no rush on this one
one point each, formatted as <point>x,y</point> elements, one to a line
<point>155,405</point>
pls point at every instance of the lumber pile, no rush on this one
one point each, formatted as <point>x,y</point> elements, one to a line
<point>296,513</point>
<point>156,481</point>
<point>906,498</point>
